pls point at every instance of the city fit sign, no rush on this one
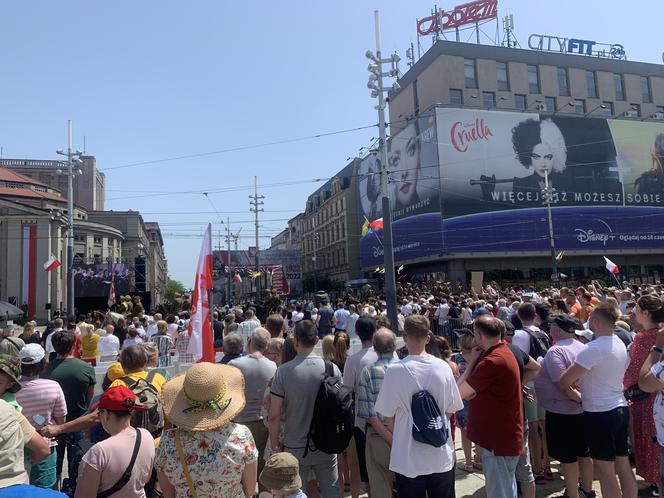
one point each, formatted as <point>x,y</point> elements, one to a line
<point>577,46</point>
<point>468,13</point>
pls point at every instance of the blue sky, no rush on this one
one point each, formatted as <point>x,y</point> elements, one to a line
<point>151,80</point>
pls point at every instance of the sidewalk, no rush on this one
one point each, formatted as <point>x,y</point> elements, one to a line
<point>472,484</point>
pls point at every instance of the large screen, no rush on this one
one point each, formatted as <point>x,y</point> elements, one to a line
<point>472,181</point>
<point>606,174</point>
<point>414,192</point>
<point>94,280</point>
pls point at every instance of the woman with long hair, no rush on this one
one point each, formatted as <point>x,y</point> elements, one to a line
<point>649,314</point>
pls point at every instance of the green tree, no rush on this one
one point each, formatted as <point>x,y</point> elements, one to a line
<point>173,287</point>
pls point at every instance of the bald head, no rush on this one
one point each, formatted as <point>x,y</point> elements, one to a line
<point>384,341</point>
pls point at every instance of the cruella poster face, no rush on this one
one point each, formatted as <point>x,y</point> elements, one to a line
<point>495,161</point>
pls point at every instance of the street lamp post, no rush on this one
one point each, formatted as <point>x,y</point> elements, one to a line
<point>72,157</point>
<point>548,197</point>
<point>377,90</point>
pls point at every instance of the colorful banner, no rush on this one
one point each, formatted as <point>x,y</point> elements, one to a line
<point>414,192</point>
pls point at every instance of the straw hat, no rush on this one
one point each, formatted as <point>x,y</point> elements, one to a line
<point>207,396</point>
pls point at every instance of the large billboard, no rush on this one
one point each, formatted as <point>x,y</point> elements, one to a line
<point>94,280</point>
<point>607,177</point>
<point>414,192</point>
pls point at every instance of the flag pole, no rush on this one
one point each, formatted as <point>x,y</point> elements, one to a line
<point>209,289</point>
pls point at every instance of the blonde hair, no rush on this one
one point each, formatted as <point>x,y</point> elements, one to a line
<point>329,350</point>
<point>162,326</point>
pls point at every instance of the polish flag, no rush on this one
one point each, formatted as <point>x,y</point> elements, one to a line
<point>201,344</point>
<point>52,263</point>
<point>376,224</point>
<point>237,278</point>
<point>611,266</point>
<point>111,295</point>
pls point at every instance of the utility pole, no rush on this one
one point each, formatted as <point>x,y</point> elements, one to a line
<point>376,85</point>
<point>255,202</point>
<point>229,276</point>
<point>548,197</point>
<point>72,157</point>
<point>314,259</point>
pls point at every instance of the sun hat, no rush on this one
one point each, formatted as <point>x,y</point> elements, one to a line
<point>119,399</point>
<point>11,366</point>
<point>281,472</point>
<point>31,354</point>
<point>207,396</point>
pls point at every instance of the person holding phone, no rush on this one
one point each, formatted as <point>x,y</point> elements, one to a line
<point>43,403</point>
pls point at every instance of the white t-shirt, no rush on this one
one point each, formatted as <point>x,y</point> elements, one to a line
<point>409,457</point>
<point>297,316</point>
<point>658,408</point>
<point>606,360</point>
<point>341,315</point>
<point>48,347</point>
<point>108,345</point>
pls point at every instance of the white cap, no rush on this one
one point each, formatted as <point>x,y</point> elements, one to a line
<point>31,354</point>
<point>586,334</point>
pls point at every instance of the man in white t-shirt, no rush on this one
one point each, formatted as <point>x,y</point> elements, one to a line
<point>249,324</point>
<point>351,320</point>
<point>152,325</point>
<point>341,315</point>
<point>419,467</point>
<point>601,365</point>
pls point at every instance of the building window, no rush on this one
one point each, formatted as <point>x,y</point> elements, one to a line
<point>520,102</point>
<point>645,90</point>
<point>456,96</point>
<point>563,82</point>
<point>659,114</point>
<point>591,84</point>
<point>619,86</point>
<point>550,104</point>
<point>634,111</point>
<point>489,100</point>
<point>580,106</point>
<point>469,72</point>
<point>533,79</point>
<point>608,109</point>
<point>501,76</point>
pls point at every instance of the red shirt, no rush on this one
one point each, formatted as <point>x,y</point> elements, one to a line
<point>495,415</point>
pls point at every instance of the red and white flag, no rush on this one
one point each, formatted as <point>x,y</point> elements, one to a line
<point>52,263</point>
<point>611,266</point>
<point>201,343</point>
<point>111,295</point>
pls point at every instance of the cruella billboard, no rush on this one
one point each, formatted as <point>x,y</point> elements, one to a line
<point>607,178</point>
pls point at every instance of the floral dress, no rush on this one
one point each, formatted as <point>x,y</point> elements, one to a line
<point>646,449</point>
<point>216,460</point>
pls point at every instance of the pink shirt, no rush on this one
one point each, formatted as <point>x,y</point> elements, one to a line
<point>41,397</point>
<point>111,458</point>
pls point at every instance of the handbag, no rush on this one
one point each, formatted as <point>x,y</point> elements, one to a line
<point>634,394</point>
<point>126,475</point>
<point>183,463</point>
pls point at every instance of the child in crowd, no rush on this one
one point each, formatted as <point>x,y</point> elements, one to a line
<point>281,475</point>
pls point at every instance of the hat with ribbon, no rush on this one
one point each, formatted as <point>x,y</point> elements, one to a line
<point>207,396</point>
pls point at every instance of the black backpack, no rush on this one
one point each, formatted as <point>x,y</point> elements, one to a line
<point>429,425</point>
<point>539,342</point>
<point>333,418</point>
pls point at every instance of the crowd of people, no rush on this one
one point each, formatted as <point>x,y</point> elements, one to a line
<point>314,400</point>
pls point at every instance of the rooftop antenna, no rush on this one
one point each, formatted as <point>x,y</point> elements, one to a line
<point>509,39</point>
<point>83,144</point>
<point>410,55</point>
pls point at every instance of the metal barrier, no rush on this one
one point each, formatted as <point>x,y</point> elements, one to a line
<point>450,330</point>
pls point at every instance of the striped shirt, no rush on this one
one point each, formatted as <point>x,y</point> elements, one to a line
<point>182,345</point>
<point>371,380</point>
<point>42,397</point>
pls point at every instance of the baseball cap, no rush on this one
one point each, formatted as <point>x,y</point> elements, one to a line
<point>566,323</point>
<point>586,334</point>
<point>479,312</point>
<point>31,354</point>
<point>119,399</point>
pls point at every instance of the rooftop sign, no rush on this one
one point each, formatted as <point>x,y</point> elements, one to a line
<point>577,46</point>
<point>467,13</point>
